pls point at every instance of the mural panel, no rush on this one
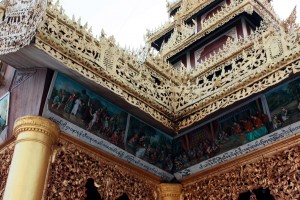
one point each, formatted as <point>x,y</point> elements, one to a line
<point>230,131</point>
<point>149,144</point>
<point>4,107</point>
<point>284,104</point>
<point>92,119</point>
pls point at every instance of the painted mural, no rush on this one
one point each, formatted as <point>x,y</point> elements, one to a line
<point>149,144</point>
<point>147,147</point>
<point>4,107</point>
<point>87,110</point>
<point>284,104</point>
<point>232,130</point>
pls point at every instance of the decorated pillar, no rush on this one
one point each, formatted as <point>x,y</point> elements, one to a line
<point>170,191</point>
<point>35,137</point>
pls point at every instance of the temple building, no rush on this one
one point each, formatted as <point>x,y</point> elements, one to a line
<point>209,108</point>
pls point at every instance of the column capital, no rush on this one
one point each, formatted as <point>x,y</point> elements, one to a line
<point>170,191</point>
<point>24,127</point>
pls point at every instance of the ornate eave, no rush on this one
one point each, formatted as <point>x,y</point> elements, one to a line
<point>261,60</point>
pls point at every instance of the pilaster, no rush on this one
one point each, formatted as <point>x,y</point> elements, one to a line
<point>170,191</point>
<point>34,139</point>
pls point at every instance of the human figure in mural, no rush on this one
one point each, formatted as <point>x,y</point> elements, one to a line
<point>84,103</point>
<point>57,99</point>
<point>95,118</point>
<point>276,122</point>
<point>86,113</point>
<point>70,102</point>
<point>75,108</point>
<point>132,142</point>
<point>63,100</point>
<point>237,128</point>
<point>114,139</point>
<point>265,119</point>
<point>283,114</point>
<point>91,190</point>
<point>257,122</point>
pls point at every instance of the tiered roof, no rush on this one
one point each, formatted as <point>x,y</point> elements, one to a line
<point>144,79</point>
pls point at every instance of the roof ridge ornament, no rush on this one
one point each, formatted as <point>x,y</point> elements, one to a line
<point>290,23</point>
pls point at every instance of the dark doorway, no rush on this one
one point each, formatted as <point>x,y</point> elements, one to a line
<point>260,194</point>
<point>91,190</point>
<point>123,197</point>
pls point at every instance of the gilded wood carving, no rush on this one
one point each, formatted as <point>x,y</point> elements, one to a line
<point>177,98</point>
<point>279,172</point>
<point>181,98</point>
<point>6,154</point>
<point>72,165</point>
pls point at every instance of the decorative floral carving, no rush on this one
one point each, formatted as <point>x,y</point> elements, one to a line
<point>21,76</point>
<point>279,172</point>
<point>72,165</point>
<point>6,154</point>
<point>20,24</point>
<point>176,98</point>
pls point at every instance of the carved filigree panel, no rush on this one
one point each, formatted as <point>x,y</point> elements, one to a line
<point>279,172</point>
<point>6,154</point>
<point>176,98</point>
<point>72,165</point>
<point>20,24</point>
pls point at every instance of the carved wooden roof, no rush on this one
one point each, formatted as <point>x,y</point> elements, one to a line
<point>257,62</point>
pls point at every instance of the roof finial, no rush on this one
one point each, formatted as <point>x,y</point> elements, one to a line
<point>290,22</point>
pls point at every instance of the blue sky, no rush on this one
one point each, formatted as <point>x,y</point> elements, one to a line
<point>128,20</point>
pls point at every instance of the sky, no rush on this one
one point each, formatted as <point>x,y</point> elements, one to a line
<point>128,20</point>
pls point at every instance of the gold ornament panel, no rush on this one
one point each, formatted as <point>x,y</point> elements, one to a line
<point>278,170</point>
<point>6,154</point>
<point>72,164</point>
<point>176,97</point>
<point>20,23</point>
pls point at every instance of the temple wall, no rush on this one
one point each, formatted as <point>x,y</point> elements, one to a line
<point>73,163</point>
<point>275,167</point>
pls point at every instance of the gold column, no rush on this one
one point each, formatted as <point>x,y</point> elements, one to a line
<point>35,137</point>
<point>170,191</point>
